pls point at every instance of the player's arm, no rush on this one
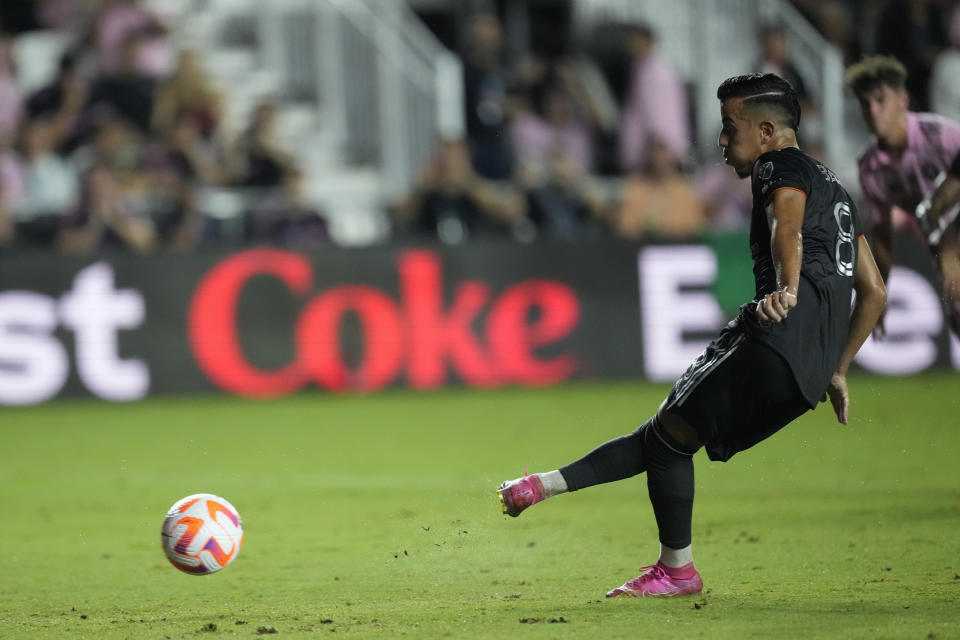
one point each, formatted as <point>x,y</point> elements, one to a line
<point>882,237</point>
<point>785,217</point>
<point>869,306</point>
<point>879,212</point>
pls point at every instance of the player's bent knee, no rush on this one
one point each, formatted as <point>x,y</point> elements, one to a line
<point>680,431</point>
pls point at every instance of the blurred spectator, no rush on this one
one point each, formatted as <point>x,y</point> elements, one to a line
<point>260,160</point>
<point>177,165</point>
<point>727,199</point>
<point>60,102</point>
<point>775,58</point>
<point>576,85</point>
<point>127,91</point>
<point>121,21</point>
<point>659,201</point>
<point>285,218</point>
<point>562,199</point>
<point>656,103</point>
<point>551,127</point>
<point>51,186</point>
<point>107,215</point>
<point>945,79</point>
<point>188,90</point>
<point>531,72</point>
<point>10,99</point>
<point>64,14</point>
<point>485,83</point>
<point>202,159</point>
<point>452,202</point>
<point>105,219</point>
<point>582,78</point>
<point>912,31</point>
<point>12,189</point>
<point>835,20</point>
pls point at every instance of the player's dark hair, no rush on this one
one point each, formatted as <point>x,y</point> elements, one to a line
<point>876,71</point>
<point>766,91</point>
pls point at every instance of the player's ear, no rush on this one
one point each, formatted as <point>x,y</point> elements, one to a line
<point>767,129</point>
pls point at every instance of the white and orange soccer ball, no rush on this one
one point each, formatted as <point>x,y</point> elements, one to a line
<point>202,534</point>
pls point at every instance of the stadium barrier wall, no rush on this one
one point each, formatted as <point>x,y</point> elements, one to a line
<point>264,322</point>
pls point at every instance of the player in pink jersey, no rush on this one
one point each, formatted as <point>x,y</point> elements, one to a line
<point>908,159</point>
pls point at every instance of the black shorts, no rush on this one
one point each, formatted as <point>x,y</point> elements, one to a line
<point>737,393</point>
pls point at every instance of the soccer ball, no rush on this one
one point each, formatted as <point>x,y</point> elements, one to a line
<point>202,534</point>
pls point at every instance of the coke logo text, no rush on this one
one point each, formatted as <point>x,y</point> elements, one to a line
<point>416,335</point>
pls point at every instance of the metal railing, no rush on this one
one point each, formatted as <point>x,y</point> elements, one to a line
<point>385,86</point>
<point>822,64</point>
<point>708,41</point>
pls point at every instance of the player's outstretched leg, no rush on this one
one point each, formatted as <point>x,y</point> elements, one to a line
<point>614,460</point>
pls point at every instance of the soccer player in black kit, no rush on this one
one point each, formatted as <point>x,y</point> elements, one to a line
<point>787,349</point>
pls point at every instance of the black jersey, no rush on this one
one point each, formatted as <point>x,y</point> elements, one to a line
<point>954,169</point>
<point>812,337</point>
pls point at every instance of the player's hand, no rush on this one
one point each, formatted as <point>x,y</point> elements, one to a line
<point>839,397</point>
<point>775,306</point>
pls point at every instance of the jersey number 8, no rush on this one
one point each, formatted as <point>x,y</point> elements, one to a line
<point>845,249</point>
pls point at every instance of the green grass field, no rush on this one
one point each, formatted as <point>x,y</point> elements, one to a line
<point>375,516</point>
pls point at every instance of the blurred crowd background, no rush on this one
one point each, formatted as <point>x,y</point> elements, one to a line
<point>139,124</point>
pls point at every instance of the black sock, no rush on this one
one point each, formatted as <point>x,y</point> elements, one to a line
<point>617,459</point>
<point>670,485</point>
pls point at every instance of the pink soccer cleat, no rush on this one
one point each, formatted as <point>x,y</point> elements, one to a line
<point>654,581</point>
<point>517,495</point>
